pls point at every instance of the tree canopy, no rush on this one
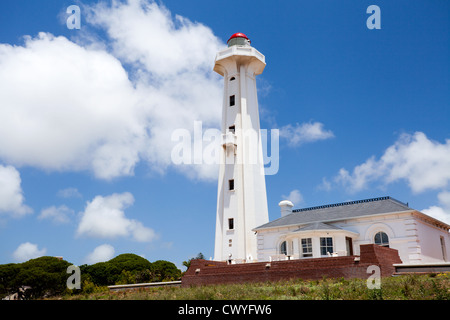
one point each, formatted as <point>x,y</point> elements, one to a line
<point>47,276</point>
<point>187,263</point>
<point>41,276</point>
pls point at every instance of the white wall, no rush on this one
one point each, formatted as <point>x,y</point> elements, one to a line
<point>416,241</point>
<point>430,242</point>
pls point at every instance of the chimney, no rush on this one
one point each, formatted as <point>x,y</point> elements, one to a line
<point>286,207</point>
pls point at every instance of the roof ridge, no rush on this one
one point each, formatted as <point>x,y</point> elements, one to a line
<point>350,203</point>
<point>317,225</point>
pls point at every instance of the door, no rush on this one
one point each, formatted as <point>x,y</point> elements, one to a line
<point>349,246</point>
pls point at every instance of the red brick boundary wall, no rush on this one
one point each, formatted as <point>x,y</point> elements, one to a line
<point>204,272</point>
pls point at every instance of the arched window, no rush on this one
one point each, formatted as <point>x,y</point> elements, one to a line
<point>283,248</point>
<point>232,78</point>
<point>381,239</point>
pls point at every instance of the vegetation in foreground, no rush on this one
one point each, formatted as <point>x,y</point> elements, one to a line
<point>406,287</point>
<point>46,277</point>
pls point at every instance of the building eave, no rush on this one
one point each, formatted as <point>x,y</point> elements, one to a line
<point>260,228</point>
<point>432,221</point>
<point>321,231</point>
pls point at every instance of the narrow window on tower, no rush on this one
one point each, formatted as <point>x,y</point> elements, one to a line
<point>232,129</point>
<point>231,184</point>
<point>232,78</point>
<point>232,100</point>
<point>231,224</point>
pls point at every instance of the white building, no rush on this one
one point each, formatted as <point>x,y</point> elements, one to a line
<point>243,230</point>
<point>241,196</point>
<point>339,229</point>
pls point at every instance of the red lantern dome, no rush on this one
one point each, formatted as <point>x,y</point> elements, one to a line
<point>238,35</point>
<point>238,39</point>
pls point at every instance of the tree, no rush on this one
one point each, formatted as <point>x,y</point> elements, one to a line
<point>8,274</point>
<point>187,264</point>
<point>44,276</point>
<point>165,271</point>
<point>127,267</point>
<point>47,276</point>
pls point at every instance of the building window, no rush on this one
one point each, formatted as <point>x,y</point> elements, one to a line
<point>231,184</point>
<point>232,100</point>
<point>381,239</point>
<point>232,78</point>
<point>326,246</point>
<point>230,242</point>
<point>283,248</point>
<point>444,251</point>
<point>232,129</point>
<point>231,224</point>
<point>307,248</point>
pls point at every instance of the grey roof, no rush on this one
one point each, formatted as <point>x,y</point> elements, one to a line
<point>339,211</point>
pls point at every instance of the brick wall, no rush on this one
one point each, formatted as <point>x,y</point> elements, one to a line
<point>203,272</point>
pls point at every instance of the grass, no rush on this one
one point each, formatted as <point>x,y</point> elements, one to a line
<point>405,287</point>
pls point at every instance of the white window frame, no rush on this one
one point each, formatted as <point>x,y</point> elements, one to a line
<point>308,246</point>
<point>326,246</point>
<point>383,244</point>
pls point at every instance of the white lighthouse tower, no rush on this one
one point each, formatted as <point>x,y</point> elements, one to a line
<point>241,196</point>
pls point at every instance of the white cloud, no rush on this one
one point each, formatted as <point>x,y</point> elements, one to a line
<point>104,217</point>
<point>58,215</point>
<point>444,198</point>
<point>304,133</point>
<point>440,212</point>
<point>27,251</point>
<point>144,33</point>
<point>424,164</point>
<point>294,196</point>
<point>72,106</point>
<point>69,193</point>
<point>64,105</point>
<point>101,253</point>
<point>11,194</point>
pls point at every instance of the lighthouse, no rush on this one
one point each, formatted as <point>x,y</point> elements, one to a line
<point>241,195</point>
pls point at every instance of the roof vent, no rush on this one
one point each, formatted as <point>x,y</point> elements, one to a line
<point>286,207</point>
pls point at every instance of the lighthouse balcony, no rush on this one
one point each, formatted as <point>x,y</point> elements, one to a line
<point>229,140</point>
<point>242,51</point>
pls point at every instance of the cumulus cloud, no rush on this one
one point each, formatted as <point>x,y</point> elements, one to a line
<point>441,212</point>
<point>172,58</point>
<point>27,251</point>
<point>58,215</point>
<point>69,193</point>
<point>294,196</point>
<point>11,194</point>
<point>186,46</point>
<point>101,253</point>
<point>444,198</point>
<point>65,106</point>
<point>422,163</point>
<point>104,217</point>
<point>70,106</point>
<point>304,133</point>
<point>438,213</point>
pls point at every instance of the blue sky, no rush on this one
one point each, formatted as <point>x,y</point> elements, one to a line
<point>86,116</point>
